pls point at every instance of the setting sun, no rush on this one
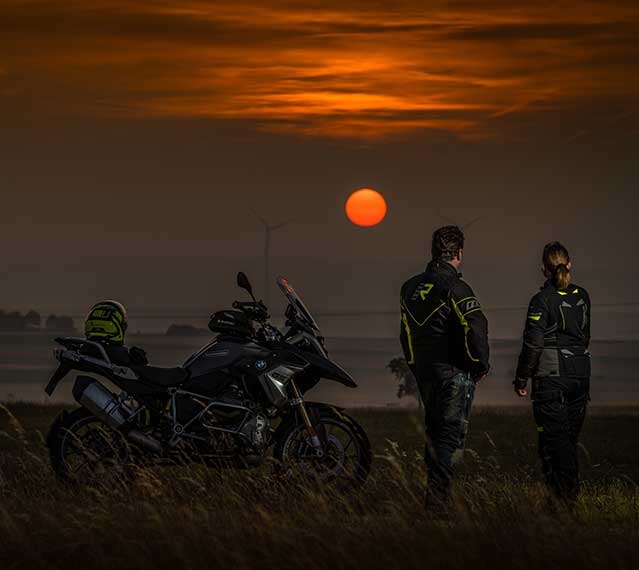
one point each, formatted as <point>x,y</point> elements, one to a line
<point>366,207</point>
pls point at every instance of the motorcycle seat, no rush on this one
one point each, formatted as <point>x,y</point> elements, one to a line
<point>165,377</point>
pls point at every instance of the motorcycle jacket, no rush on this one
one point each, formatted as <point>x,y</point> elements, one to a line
<point>557,334</point>
<point>443,329</point>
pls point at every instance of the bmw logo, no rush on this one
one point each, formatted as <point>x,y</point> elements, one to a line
<point>260,364</point>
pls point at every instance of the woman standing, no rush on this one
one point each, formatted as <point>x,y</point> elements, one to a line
<point>555,357</point>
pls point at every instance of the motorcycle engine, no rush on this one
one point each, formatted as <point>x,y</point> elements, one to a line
<point>228,413</point>
<point>256,431</point>
<point>228,409</point>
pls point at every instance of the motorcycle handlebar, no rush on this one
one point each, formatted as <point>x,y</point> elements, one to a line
<point>255,309</point>
<point>249,305</point>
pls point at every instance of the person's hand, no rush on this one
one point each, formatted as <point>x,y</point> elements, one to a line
<point>479,375</point>
<point>519,384</point>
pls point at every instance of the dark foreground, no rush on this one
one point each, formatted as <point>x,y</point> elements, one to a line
<point>198,518</point>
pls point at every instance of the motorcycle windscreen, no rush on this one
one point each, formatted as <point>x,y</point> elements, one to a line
<point>295,300</point>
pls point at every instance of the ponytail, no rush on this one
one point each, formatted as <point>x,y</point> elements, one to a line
<point>556,260</point>
<point>561,277</point>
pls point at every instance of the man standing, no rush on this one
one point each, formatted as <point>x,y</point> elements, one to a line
<point>444,335</point>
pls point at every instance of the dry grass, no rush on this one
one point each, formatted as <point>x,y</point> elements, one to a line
<point>199,518</point>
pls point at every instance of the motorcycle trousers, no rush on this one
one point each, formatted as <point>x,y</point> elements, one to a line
<point>559,408</point>
<point>447,405</point>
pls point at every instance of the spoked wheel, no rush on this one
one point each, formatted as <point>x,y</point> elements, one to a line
<point>345,459</point>
<point>85,451</point>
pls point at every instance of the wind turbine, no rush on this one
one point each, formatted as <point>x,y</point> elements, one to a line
<point>268,229</point>
<point>465,226</point>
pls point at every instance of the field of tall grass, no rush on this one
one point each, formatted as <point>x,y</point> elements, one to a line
<point>199,518</point>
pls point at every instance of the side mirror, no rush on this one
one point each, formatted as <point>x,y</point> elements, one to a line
<point>244,283</point>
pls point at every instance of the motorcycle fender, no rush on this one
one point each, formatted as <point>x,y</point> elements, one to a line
<point>62,370</point>
<point>329,370</point>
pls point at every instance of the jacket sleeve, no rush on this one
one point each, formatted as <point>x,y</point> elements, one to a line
<point>405,338</point>
<point>588,320</point>
<point>475,325</point>
<point>533,345</point>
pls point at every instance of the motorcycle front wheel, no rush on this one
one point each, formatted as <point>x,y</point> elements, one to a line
<point>345,459</point>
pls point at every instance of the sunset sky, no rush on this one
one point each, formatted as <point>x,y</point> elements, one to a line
<point>341,69</point>
<point>145,132</point>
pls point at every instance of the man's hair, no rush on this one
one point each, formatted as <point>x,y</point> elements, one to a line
<point>447,242</point>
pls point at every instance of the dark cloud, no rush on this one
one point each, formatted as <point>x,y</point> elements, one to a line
<point>546,31</point>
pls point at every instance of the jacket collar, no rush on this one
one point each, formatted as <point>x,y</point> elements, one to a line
<point>437,266</point>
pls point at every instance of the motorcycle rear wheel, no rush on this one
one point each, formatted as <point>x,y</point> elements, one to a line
<point>85,451</point>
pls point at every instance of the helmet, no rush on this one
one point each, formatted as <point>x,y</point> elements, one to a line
<point>106,321</point>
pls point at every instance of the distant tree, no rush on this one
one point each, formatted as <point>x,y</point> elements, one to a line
<point>406,378</point>
<point>11,322</point>
<point>62,323</point>
<point>32,320</point>
<point>186,330</point>
<point>51,322</point>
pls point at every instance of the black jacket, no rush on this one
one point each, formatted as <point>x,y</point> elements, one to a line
<point>557,334</point>
<point>443,329</point>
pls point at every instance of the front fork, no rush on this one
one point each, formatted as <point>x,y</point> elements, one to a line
<point>298,402</point>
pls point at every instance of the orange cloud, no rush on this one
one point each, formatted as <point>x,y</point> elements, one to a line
<point>340,69</point>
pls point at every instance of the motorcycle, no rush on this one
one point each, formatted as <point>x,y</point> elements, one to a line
<point>236,401</point>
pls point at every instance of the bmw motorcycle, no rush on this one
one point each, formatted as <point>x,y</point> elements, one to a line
<point>235,402</point>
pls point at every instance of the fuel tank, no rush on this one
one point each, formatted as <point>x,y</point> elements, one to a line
<point>210,367</point>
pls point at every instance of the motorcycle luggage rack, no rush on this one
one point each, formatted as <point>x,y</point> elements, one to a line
<point>73,346</point>
<point>72,342</point>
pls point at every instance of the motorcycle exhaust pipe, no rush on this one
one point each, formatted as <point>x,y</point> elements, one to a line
<point>143,440</point>
<point>106,406</point>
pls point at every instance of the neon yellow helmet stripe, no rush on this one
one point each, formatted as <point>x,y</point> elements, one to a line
<point>107,320</point>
